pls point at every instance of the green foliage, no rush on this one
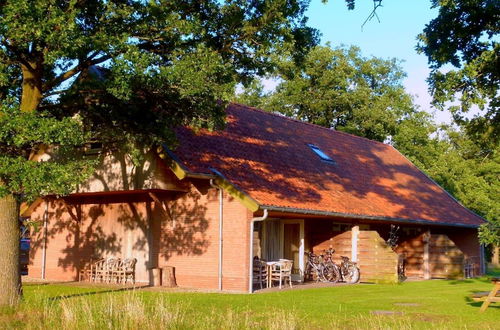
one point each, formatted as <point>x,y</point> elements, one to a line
<point>125,73</point>
<point>465,35</point>
<point>451,159</point>
<point>22,136</point>
<point>340,89</point>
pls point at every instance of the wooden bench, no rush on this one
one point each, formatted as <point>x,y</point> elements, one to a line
<point>488,297</point>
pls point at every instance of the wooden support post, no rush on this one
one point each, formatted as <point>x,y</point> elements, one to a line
<point>427,270</point>
<point>354,243</point>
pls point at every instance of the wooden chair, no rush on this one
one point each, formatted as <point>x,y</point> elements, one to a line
<point>87,271</point>
<point>281,271</point>
<point>97,270</point>
<point>260,275</point>
<point>125,271</point>
<point>104,269</point>
<point>112,266</point>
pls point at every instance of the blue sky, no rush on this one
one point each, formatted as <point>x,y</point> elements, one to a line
<point>395,36</point>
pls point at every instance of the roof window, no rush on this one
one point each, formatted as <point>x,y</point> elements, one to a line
<point>321,153</point>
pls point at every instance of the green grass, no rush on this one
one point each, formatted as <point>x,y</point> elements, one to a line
<point>436,304</point>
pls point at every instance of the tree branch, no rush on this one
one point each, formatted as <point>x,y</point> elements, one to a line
<point>18,54</point>
<point>88,62</point>
<point>376,5</point>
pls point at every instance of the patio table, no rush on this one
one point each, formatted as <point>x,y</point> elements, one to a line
<point>269,265</point>
<point>493,295</point>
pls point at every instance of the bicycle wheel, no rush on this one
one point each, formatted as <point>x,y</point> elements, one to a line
<point>331,273</point>
<point>351,276</point>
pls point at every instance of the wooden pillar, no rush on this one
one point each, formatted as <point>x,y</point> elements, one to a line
<point>354,243</point>
<point>427,270</point>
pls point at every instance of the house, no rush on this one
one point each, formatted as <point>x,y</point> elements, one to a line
<point>265,186</point>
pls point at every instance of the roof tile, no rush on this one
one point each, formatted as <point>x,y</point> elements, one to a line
<point>267,156</point>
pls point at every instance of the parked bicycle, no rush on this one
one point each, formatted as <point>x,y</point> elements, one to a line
<point>316,269</point>
<point>331,268</point>
<point>347,272</point>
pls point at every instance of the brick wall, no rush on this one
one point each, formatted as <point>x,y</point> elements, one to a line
<point>190,241</point>
<point>180,231</point>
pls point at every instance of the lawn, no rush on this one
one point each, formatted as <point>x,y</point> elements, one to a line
<point>437,304</point>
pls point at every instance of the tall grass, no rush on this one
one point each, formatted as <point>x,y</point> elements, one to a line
<point>133,310</point>
<point>414,305</point>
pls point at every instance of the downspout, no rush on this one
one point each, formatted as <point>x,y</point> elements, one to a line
<point>250,268</point>
<point>44,246</point>
<point>221,209</point>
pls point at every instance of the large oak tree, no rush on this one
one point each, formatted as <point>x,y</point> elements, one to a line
<point>121,72</point>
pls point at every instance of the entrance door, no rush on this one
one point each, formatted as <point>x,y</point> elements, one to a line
<point>293,246</point>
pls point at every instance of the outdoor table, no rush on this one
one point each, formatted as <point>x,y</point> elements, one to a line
<point>492,296</point>
<point>269,266</point>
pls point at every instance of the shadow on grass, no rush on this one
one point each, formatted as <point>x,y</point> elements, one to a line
<point>96,292</point>
<point>482,279</point>
<point>478,304</point>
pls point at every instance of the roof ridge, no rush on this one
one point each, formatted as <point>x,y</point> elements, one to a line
<point>279,115</point>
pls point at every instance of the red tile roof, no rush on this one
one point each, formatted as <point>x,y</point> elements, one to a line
<point>267,156</point>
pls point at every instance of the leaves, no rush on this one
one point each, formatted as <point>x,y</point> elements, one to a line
<point>465,35</point>
<point>340,89</point>
<point>125,73</point>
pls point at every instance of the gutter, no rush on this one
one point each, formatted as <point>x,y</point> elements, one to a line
<point>364,217</point>
<point>221,215</point>
<point>250,268</point>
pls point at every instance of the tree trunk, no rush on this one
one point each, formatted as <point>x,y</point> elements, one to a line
<point>495,258</point>
<point>10,276</point>
<point>31,87</point>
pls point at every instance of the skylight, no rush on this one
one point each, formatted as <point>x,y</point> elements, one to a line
<point>321,153</point>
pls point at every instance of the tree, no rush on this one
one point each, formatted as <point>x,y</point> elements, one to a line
<point>161,64</point>
<point>465,36</point>
<point>339,89</point>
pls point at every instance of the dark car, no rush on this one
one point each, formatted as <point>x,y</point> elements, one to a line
<point>24,255</point>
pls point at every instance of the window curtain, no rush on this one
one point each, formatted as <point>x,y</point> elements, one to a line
<point>272,249</point>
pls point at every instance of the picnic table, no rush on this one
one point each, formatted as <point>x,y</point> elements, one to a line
<point>489,297</point>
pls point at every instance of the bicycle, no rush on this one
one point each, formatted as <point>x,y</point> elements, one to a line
<point>332,270</point>
<point>349,271</point>
<point>315,268</point>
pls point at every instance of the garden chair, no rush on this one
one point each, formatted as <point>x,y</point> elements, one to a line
<point>87,271</point>
<point>260,275</point>
<point>126,270</point>
<point>281,271</point>
<point>97,269</point>
<point>104,269</point>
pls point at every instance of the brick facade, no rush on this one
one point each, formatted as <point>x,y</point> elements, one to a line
<point>181,231</point>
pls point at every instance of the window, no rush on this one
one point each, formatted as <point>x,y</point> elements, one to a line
<point>321,153</point>
<point>93,148</point>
